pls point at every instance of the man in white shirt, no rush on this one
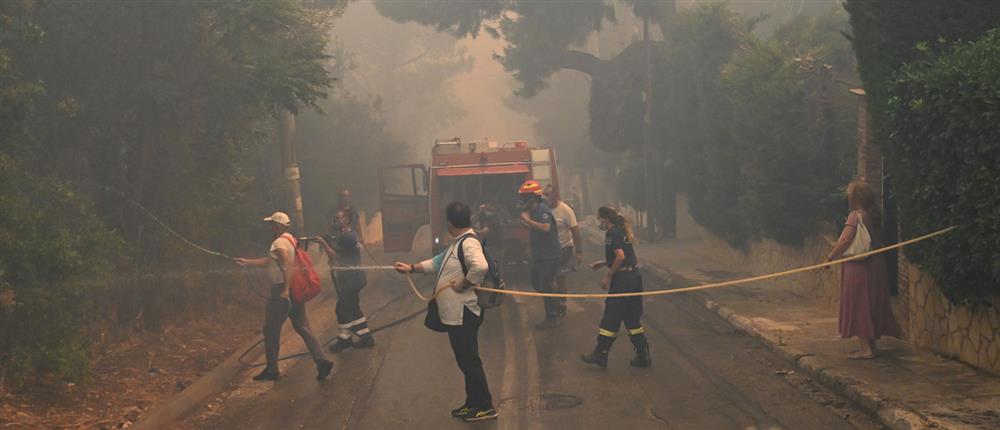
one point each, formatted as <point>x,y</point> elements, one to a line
<point>279,307</point>
<point>570,241</point>
<point>458,307</point>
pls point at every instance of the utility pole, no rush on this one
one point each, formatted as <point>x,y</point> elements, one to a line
<point>286,134</point>
<point>649,172</point>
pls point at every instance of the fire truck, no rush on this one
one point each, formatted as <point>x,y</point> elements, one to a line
<point>474,173</point>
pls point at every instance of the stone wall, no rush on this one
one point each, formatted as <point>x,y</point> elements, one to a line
<point>969,334</point>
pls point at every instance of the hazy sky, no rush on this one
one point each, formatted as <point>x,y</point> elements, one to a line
<point>482,92</point>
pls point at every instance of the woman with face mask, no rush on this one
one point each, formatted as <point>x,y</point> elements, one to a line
<point>622,277</point>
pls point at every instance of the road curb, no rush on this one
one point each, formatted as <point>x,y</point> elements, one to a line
<point>211,383</point>
<point>893,415</point>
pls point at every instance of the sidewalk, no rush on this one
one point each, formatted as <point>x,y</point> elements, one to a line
<point>905,387</point>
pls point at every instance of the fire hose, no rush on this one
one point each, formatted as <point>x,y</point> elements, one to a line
<point>416,292</point>
<point>729,283</point>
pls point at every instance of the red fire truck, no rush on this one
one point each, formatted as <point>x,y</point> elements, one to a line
<point>471,172</point>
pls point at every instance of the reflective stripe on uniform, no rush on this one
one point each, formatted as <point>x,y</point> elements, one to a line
<point>633,332</point>
<point>361,320</point>
<point>363,331</point>
<point>607,333</point>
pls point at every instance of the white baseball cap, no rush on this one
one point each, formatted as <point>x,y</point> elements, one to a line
<point>280,218</point>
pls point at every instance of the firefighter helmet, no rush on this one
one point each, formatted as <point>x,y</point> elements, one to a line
<point>530,187</point>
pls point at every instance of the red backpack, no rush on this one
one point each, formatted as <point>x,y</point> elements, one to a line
<point>305,281</point>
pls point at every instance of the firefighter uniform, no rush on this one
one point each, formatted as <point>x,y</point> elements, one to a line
<point>544,250</point>
<point>349,284</point>
<point>618,310</point>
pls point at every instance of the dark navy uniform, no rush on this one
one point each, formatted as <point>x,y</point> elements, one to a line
<point>545,252</point>
<point>618,310</point>
<point>349,284</point>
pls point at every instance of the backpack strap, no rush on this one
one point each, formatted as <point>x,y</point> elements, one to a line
<point>288,236</point>
<point>295,246</point>
<point>461,252</point>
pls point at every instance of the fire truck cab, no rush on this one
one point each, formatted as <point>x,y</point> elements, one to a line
<point>470,172</point>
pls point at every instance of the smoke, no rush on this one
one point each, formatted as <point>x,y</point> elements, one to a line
<point>428,84</point>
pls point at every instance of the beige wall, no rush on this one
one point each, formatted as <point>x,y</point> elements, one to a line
<point>768,256</point>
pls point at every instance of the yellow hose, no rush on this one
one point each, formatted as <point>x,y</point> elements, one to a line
<point>709,286</point>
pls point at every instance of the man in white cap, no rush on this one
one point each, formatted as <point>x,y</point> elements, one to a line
<point>279,307</point>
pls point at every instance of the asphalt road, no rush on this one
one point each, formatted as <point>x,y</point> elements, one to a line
<point>705,375</point>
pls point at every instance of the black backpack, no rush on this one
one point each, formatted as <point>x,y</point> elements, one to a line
<point>493,279</point>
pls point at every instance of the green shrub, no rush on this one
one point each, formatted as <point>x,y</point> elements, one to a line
<point>53,256</point>
<point>944,124</point>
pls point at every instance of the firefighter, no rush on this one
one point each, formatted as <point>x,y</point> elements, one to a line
<point>342,247</point>
<point>622,277</point>
<point>538,218</point>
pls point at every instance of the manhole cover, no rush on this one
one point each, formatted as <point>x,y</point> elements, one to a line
<point>558,402</point>
<point>544,402</point>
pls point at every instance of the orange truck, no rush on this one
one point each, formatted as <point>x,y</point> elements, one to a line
<point>474,173</point>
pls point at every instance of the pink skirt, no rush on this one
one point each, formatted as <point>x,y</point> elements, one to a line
<point>865,310</point>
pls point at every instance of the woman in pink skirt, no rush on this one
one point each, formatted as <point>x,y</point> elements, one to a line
<point>865,311</point>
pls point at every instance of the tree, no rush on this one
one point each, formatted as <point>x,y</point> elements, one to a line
<point>763,137</point>
<point>54,257</point>
<point>169,103</point>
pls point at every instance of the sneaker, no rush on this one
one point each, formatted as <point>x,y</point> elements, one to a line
<point>461,412</point>
<point>481,415</point>
<point>366,341</point>
<point>323,369</point>
<point>597,358</point>
<point>340,345</point>
<point>267,375</point>
<point>546,324</point>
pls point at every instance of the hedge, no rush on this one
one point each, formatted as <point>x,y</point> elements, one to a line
<point>944,133</point>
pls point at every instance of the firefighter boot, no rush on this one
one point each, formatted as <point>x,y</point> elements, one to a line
<point>341,345</point>
<point>641,351</point>
<point>598,357</point>
<point>366,341</point>
<point>600,354</point>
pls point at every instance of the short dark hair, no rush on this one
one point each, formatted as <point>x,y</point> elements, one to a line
<point>458,214</point>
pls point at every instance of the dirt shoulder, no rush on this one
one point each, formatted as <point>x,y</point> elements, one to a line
<point>131,375</point>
